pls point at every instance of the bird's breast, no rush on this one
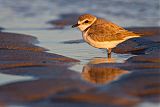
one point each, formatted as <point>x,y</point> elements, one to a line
<point>87,39</point>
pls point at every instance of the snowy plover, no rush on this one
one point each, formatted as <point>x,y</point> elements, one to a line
<point>101,33</point>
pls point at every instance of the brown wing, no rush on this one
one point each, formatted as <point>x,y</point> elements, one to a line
<point>103,30</point>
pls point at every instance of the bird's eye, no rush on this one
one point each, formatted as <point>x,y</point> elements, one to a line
<point>86,21</point>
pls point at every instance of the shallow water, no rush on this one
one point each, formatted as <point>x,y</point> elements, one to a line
<point>31,17</point>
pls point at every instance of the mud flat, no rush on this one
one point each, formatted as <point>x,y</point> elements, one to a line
<point>100,84</point>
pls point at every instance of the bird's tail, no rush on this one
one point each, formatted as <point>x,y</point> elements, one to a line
<point>139,34</point>
<point>133,34</point>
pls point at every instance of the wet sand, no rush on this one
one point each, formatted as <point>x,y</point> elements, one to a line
<point>101,82</point>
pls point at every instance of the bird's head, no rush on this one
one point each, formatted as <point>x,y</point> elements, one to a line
<point>85,21</point>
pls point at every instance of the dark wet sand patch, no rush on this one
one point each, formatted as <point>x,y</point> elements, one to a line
<point>39,69</point>
<point>138,46</point>
<point>27,55</point>
<point>14,37</point>
<point>40,89</point>
<point>145,58</point>
<point>73,41</point>
<point>19,42</point>
<point>147,31</point>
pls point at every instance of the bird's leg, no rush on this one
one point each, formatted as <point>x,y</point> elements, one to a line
<point>109,52</point>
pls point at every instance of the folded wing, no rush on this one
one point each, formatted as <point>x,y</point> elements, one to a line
<point>103,30</point>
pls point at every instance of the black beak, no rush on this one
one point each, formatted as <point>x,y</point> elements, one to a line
<point>76,25</point>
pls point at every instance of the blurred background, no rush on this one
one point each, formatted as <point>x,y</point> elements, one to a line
<point>37,13</point>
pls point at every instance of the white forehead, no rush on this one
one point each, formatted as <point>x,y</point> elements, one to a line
<point>82,20</point>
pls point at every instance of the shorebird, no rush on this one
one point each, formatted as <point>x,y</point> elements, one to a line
<point>101,33</point>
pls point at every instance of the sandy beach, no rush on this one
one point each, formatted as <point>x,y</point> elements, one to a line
<point>100,83</point>
<point>46,63</point>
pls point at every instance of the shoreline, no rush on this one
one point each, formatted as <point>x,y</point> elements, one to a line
<point>56,83</point>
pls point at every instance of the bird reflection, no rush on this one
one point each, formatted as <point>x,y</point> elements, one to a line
<point>102,60</point>
<point>95,72</point>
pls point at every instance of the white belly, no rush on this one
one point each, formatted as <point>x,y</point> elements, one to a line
<point>104,44</point>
